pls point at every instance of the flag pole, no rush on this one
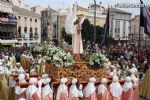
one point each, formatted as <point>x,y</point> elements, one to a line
<point>139,35</point>
<point>108,27</point>
<point>94,21</point>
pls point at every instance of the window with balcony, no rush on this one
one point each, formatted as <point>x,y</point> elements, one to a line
<point>25,29</point>
<point>31,32</point>
<point>124,28</point>
<point>25,18</point>
<point>36,34</point>
<point>35,20</point>
<point>36,30</point>
<point>19,32</point>
<point>19,17</point>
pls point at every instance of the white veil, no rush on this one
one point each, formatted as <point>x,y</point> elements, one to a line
<point>70,19</point>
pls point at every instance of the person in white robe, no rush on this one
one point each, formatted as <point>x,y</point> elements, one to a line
<point>73,91</point>
<point>12,84</point>
<point>19,68</point>
<point>5,71</point>
<point>21,92</point>
<point>12,59</point>
<point>33,72</point>
<point>47,92</point>
<point>103,93</point>
<point>132,74</point>
<point>32,92</point>
<point>89,91</point>
<point>80,92</point>
<point>115,89</point>
<point>62,90</point>
<point>113,71</point>
<point>41,81</point>
<point>135,71</point>
<point>3,68</point>
<point>128,84</point>
<point>3,86</point>
<point>10,66</point>
<point>127,89</point>
<point>135,81</point>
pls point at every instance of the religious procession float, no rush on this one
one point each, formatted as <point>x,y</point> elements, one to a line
<point>60,63</point>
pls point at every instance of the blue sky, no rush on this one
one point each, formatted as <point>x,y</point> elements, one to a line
<point>56,4</point>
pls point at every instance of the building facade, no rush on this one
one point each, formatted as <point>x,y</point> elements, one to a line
<point>8,24</point>
<point>134,36</point>
<point>100,17</point>
<point>87,12</point>
<point>119,22</point>
<point>28,26</point>
<point>53,22</point>
<point>49,23</point>
<point>37,9</point>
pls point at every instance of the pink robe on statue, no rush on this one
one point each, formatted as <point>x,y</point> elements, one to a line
<point>105,96</point>
<point>35,96</point>
<point>128,95</point>
<point>91,97</point>
<point>63,96</point>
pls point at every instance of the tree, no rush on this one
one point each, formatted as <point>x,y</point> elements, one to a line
<point>67,38</point>
<point>88,31</point>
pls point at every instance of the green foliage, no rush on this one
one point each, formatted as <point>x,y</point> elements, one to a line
<point>88,31</point>
<point>66,37</point>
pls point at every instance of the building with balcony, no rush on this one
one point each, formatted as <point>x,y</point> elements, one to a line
<point>8,24</point>
<point>49,23</point>
<point>53,22</point>
<point>120,24</point>
<point>28,26</point>
<point>134,36</point>
<point>87,12</point>
<point>100,17</point>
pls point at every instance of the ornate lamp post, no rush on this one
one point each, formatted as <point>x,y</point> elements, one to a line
<point>94,21</point>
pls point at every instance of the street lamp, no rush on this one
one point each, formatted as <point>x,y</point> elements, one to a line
<point>94,21</point>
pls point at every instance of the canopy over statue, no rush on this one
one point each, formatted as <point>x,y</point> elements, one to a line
<point>73,26</point>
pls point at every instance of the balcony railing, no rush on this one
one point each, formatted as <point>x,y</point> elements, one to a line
<point>24,40</point>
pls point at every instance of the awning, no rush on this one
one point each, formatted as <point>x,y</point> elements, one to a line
<point>8,41</point>
<point>8,20</point>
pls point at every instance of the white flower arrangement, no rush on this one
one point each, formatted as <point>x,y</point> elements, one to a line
<point>97,60</point>
<point>38,48</point>
<point>58,57</point>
